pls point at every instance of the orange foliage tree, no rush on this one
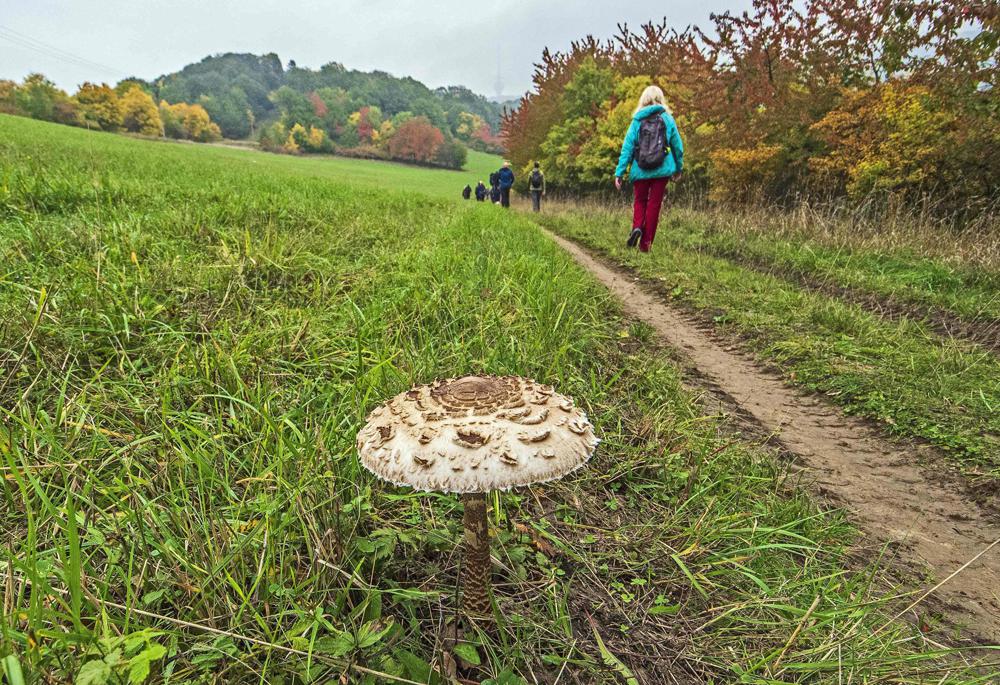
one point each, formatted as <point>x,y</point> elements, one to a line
<point>416,140</point>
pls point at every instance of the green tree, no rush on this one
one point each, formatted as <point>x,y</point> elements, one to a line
<point>125,85</point>
<point>39,98</point>
<point>451,154</point>
<point>294,106</point>
<point>231,110</point>
<point>590,87</point>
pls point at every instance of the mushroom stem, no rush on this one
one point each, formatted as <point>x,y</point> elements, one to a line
<point>476,581</point>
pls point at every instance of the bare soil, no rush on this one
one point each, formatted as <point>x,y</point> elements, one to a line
<point>887,489</point>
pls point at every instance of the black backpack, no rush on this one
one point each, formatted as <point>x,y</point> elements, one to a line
<point>536,180</point>
<point>651,148</point>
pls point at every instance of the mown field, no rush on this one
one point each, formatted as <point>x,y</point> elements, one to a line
<point>879,323</point>
<point>192,338</point>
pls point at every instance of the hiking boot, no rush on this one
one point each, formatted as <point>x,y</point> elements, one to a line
<point>633,237</point>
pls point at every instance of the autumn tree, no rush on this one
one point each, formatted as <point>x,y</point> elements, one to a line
<point>100,106</point>
<point>189,122</point>
<point>316,140</point>
<point>366,122</point>
<point>8,105</point>
<point>416,140</point>
<point>139,113</point>
<point>297,139</point>
<point>468,126</point>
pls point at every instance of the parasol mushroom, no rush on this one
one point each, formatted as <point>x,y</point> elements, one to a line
<point>472,435</point>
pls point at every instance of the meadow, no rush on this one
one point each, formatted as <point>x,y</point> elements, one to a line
<point>192,338</point>
<point>898,326</point>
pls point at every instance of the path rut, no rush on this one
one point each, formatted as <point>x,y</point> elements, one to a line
<point>884,492</point>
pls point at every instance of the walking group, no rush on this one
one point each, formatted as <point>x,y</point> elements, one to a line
<point>501,183</point>
<point>652,155</point>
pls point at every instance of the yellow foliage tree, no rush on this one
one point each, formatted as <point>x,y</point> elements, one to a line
<point>743,174</point>
<point>100,106</point>
<point>468,125</point>
<point>386,130</point>
<point>298,137</point>
<point>140,114</point>
<point>189,122</point>
<point>887,139</point>
<point>315,139</point>
<point>7,91</point>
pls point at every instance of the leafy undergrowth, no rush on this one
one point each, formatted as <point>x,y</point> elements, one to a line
<point>916,383</point>
<point>190,348</point>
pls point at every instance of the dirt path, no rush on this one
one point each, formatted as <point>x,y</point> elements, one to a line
<point>879,485</point>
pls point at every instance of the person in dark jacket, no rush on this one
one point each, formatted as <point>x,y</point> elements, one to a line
<point>506,178</point>
<point>466,192</point>
<point>649,184</point>
<point>495,187</point>
<point>536,186</point>
<point>480,191</point>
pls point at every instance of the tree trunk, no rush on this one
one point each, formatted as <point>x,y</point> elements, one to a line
<point>476,573</point>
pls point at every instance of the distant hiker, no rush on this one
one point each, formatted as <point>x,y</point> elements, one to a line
<point>480,191</point>
<point>654,150</point>
<point>536,185</point>
<point>466,192</point>
<point>495,187</point>
<point>506,177</point>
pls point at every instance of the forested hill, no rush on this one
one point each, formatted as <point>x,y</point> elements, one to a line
<point>242,91</point>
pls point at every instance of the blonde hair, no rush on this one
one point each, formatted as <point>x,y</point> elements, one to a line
<point>652,96</point>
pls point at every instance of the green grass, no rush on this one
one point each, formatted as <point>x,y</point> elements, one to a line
<point>192,339</point>
<point>378,175</point>
<point>917,383</point>
<point>971,293</point>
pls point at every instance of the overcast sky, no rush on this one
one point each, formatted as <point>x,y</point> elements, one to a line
<point>440,42</point>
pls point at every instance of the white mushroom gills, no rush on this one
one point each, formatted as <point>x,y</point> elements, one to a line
<point>472,435</point>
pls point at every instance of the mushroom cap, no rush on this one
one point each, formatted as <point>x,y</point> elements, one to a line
<point>476,434</point>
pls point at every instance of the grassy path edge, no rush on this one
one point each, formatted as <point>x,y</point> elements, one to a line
<point>885,492</point>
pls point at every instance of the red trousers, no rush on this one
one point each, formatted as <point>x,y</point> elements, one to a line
<point>646,208</point>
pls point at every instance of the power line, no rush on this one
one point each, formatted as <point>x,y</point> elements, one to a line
<point>38,46</point>
<point>35,44</point>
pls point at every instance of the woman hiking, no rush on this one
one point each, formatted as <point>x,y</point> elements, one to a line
<point>654,150</point>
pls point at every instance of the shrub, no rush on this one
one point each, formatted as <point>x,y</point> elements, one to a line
<point>451,154</point>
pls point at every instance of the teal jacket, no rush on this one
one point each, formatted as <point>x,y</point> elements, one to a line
<point>673,162</point>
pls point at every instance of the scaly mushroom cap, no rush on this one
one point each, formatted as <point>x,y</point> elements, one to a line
<point>476,434</point>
